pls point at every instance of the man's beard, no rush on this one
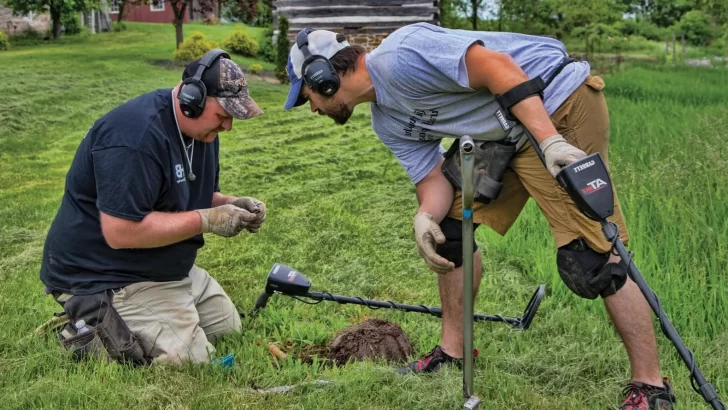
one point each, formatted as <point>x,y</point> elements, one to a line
<point>342,115</point>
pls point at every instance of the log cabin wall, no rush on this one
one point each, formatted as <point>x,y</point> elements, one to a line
<point>365,22</point>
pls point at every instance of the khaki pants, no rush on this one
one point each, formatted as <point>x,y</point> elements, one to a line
<point>583,120</point>
<point>177,321</point>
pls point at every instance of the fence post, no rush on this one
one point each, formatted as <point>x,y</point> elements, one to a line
<point>667,45</point>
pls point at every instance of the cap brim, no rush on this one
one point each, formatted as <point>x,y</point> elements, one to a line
<point>242,108</point>
<point>294,92</point>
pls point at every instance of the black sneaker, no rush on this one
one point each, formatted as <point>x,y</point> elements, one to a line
<point>432,362</point>
<point>641,396</point>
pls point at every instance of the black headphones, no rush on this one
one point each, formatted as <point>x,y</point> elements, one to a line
<point>317,71</point>
<point>193,93</point>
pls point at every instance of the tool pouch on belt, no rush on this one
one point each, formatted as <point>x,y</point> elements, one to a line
<point>107,336</point>
<point>491,160</point>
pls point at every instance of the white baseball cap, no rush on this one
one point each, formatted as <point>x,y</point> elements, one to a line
<point>320,42</point>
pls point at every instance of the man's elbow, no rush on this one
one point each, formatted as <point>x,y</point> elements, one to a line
<point>114,240</point>
<point>117,233</point>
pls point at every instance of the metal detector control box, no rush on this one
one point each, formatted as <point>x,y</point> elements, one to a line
<point>587,182</point>
<point>286,280</point>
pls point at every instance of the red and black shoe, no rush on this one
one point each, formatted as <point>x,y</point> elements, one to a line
<point>432,362</point>
<point>642,396</point>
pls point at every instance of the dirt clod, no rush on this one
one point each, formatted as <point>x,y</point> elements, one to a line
<point>371,339</point>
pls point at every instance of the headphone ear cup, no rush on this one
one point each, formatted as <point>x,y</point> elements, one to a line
<point>192,96</point>
<point>322,78</point>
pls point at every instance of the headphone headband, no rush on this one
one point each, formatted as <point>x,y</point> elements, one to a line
<point>193,92</point>
<point>207,60</point>
<point>322,79</point>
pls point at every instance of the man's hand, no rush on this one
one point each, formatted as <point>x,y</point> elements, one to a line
<point>558,153</point>
<point>254,206</point>
<point>427,234</point>
<point>225,220</point>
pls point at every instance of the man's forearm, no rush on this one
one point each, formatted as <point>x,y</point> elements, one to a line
<point>157,229</point>
<point>435,194</point>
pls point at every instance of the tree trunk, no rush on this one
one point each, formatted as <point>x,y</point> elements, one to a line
<point>120,16</point>
<point>500,16</point>
<point>56,19</point>
<point>179,17</point>
<point>474,17</point>
<point>178,31</point>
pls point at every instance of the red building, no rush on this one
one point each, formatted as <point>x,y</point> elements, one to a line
<point>155,11</point>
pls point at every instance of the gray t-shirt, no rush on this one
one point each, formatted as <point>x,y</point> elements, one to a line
<point>423,92</point>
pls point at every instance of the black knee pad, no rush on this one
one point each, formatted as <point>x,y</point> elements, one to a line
<point>587,273</point>
<point>452,249</point>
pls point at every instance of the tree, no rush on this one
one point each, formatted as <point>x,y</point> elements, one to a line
<point>283,47</point>
<point>245,10</point>
<point>717,10</point>
<point>180,7</point>
<point>56,8</point>
<point>591,16</point>
<point>666,13</point>
<point>471,8</point>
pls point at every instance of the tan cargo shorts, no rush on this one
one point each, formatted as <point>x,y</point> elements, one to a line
<point>177,321</point>
<point>583,120</point>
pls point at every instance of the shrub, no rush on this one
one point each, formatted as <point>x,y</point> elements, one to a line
<point>211,20</point>
<point>194,47</point>
<point>4,41</point>
<point>71,23</point>
<point>267,50</point>
<point>283,47</point>
<point>239,42</point>
<point>255,68</point>
<point>117,27</point>
<point>696,25</point>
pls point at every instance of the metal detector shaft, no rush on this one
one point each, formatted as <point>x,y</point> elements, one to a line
<point>705,389</point>
<point>434,311</point>
<point>611,233</point>
<point>467,160</point>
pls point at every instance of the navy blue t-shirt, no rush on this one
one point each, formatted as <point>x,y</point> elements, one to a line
<point>130,163</point>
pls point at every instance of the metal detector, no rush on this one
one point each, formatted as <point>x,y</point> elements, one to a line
<point>287,281</point>
<point>588,184</point>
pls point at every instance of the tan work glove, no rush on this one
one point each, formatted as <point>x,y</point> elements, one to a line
<point>225,220</point>
<point>427,234</point>
<point>254,206</point>
<point>558,153</point>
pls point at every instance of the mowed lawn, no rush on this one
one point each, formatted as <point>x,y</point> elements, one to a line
<point>340,210</point>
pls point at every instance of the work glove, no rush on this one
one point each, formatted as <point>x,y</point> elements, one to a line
<point>428,234</point>
<point>225,220</point>
<point>254,206</point>
<point>558,153</point>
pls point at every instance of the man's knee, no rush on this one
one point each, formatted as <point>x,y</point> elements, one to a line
<point>220,322</point>
<point>452,249</point>
<point>587,273</point>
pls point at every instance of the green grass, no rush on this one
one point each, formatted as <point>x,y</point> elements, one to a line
<point>340,210</point>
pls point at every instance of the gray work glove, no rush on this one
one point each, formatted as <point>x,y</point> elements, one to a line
<point>253,206</point>
<point>427,234</point>
<point>558,153</point>
<point>225,220</point>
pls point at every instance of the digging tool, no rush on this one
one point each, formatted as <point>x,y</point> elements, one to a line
<point>588,184</point>
<point>467,159</point>
<point>287,281</point>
